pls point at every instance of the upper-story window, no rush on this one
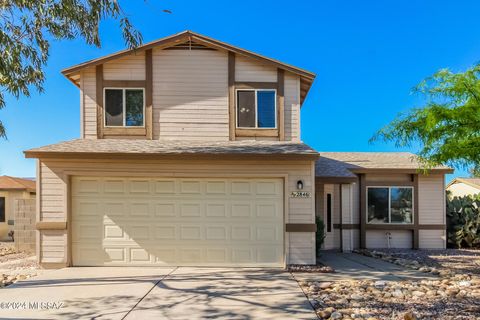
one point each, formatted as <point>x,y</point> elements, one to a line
<point>390,205</point>
<point>256,108</point>
<point>124,107</point>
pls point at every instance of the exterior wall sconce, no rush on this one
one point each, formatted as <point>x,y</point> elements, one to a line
<point>299,185</point>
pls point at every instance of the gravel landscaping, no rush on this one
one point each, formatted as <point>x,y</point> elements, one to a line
<point>455,298</point>
<point>310,268</point>
<point>15,266</point>
<point>443,262</point>
<point>453,294</point>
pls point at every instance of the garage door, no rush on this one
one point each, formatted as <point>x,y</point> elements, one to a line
<point>196,222</point>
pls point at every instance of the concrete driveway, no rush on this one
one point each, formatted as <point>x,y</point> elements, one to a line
<point>158,293</point>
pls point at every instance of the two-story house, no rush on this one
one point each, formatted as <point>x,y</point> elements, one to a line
<point>190,154</point>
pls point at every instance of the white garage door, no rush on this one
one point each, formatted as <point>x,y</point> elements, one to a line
<point>197,222</point>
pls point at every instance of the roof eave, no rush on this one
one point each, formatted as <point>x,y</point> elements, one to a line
<point>400,170</point>
<point>166,156</point>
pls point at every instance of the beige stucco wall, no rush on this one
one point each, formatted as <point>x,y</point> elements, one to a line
<point>190,93</point>
<point>10,197</point>
<point>54,175</point>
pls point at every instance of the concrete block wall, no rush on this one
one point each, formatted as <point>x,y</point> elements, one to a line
<point>25,232</point>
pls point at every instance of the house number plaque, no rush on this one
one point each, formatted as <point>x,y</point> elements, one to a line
<point>301,194</point>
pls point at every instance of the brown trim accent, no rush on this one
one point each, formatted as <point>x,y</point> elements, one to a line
<point>256,132</point>
<point>127,131</point>
<point>392,226</point>
<point>125,83</point>
<point>334,180</point>
<point>256,85</point>
<point>340,206</point>
<point>169,156</point>
<point>363,211</point>
<point>346,226</point>
<point>281,103</point>
<point>416,216</point>
<point>149,94</point>
<point>231,95</point>
<point>51,225</point>
<point>300,227</point>
<point>432,227</point>
<point>99,98</point>
<point>389,183</point>
<point>53,265</point>
<point>183,36</point>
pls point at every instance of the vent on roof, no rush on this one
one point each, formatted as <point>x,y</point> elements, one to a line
<point>189,45</point>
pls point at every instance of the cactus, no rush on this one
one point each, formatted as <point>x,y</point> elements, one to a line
<point>320,234</point>
<point>463,220</point>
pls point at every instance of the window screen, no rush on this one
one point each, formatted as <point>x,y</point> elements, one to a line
<point>134,107</point>
<point>2,209</point>
<point>266,109</point>
<point>114,107</point>
<point>401,205</point>
<point>246,109</point>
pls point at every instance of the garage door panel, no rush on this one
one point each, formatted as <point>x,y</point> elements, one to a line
<point>165,186</point>
<point>216,188</point>
<point>114,186</point>
<point>145,221</point>
<point>139,187</point>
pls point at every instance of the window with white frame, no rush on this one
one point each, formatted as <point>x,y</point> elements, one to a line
<point>390,205</point>
<point>256,108</point>
<point>124,107</point>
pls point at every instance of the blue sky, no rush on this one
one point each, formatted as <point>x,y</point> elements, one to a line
<point>367,56</point>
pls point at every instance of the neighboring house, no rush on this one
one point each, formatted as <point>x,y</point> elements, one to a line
<point>190,154</point>
<point>460,187</point>
<point>12,189</point>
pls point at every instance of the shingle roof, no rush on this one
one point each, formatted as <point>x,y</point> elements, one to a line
<point>344,164</point>
<point>12,183</point>
<point>129,147</point>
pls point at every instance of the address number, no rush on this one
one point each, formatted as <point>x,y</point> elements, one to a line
<point>301,194</point>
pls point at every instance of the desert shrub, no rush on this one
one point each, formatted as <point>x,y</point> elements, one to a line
<point>320,234</point>
<point>463,221</point>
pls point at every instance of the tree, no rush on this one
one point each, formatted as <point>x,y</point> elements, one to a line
<point>447,127</point>
<point>28,26</point>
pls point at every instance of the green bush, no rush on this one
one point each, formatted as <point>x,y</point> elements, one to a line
<point>320,234</point>
<point>463,221</point>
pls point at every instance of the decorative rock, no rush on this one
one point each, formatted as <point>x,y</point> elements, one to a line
<point>324,314</point>
<point>336,315</point>
<point>409,316</point>
<point>356,297</point>
<point>324,285</point>
<point>397,294</point>
<point>464,283</point>
<point>417,293</point>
